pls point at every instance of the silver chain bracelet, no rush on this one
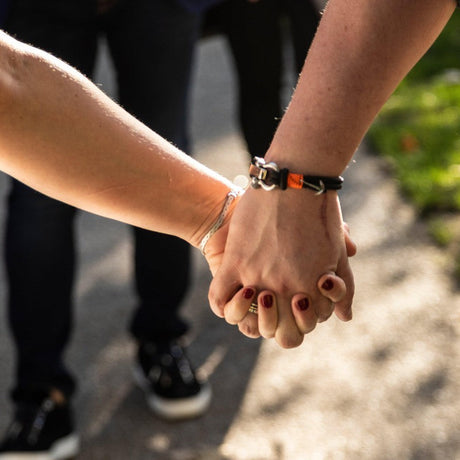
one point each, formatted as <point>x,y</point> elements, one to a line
<point>231,196</point>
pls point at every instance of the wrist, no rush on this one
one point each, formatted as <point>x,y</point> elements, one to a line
<point>218,216</point>
<point>307,161</point>
<point>269,176</point>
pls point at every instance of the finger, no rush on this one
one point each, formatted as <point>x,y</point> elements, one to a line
<point>333,287</point>
<point>249,326</point>
<point>322,302</point>
<point>221,290</point>
<point>304,313</point>
<point>237,308</point>
<point>343,308</point>
<point>287,333</point>
<point>324,307</point>
<point>352,249</point>
<point>268,314</point>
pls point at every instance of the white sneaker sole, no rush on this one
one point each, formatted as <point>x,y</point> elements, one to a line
<point>62,449</point>
<point>177,409</point>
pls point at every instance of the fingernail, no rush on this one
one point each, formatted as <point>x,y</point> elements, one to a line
<point>328,285</point>
<point>303,304</point>
<point>267,301</point>
<point>248,293</point>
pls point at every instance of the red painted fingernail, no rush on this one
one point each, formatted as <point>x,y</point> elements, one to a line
<point>328,285</point>
<point>303,304</point>
<point>248,293</point>
<point>267,301</point>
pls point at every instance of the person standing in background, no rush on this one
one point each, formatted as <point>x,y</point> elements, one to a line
<point>152,45</point>
<point>3,11</point>
<point>255,33</point>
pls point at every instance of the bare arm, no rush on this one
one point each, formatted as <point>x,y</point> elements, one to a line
<point>61,135</point>
<point>362,49</point>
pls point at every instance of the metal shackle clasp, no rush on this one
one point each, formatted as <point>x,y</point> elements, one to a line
<point>263,171</point>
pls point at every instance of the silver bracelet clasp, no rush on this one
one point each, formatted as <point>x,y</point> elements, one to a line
<point>263,170</point>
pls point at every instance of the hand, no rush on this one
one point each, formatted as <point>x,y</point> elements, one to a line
<point>282,242</point>
<point>330,285</point>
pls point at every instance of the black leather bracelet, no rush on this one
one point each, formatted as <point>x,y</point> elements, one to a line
<point>269,176</point>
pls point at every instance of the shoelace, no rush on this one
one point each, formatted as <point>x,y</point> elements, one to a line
<point>182,364</point>
<point>172,362</point>
<point>39,420</point>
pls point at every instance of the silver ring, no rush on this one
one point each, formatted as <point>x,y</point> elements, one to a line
<point>254,308</point>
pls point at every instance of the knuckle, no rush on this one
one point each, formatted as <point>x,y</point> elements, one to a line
<point>248,329</point>
<point>323,318</point>
<point>231,320</point>
<point>267,333</point>
<point>324,311</point>
<point>216,300</point>
<point>283,287</point>
<point>309,328</point>
<point>216,305</point>
<point>289,341</point>
<point>233,315</point>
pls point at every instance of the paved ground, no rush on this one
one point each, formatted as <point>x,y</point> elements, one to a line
<point>384,386</point>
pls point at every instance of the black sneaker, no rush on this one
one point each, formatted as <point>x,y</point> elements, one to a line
<point>41,430</point>
<point>172,389</point>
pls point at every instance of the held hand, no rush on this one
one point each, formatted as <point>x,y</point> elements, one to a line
<point>282,242</point>
<point>216,246</point>
<point>330,285</point>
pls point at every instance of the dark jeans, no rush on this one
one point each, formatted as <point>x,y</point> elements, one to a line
<point>151,43</point>
<point>3,11</point>
<point>254,32</point>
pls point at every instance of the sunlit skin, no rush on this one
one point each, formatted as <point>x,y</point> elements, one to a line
<point>65,138</point>
<point>362,50</point>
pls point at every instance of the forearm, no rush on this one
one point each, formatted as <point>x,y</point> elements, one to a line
<point>362,50</point>
<point>61,135</point>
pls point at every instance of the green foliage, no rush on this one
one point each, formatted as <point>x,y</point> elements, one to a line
<point>419,128</point>
<point>418,131</point>
<point>444,54</point>
<point>440,232</point>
